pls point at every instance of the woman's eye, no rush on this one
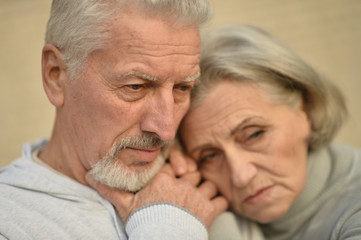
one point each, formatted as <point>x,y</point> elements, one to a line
<point>207,157</point>
<point>256,134</point>
<point>251,136</point>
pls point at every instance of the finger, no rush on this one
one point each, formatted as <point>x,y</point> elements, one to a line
<point>221,204</point>
<point>191,164</point>
<point>178,160</point>
<point>167,169</point>
<point>193,178</point>
<point>208,189</point>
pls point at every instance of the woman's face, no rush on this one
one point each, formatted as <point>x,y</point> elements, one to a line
<point>254,150</point>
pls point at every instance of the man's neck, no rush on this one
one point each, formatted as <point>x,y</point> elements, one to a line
<point>59,157</point>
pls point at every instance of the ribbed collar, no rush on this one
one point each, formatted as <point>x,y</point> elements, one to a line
<point>329,170</point>
<point>319,169</point>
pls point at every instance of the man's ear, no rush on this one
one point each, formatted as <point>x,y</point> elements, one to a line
<point>54,74</point>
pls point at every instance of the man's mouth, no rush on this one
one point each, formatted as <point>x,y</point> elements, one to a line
<point>145,155</point>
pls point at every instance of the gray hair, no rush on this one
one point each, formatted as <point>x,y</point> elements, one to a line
<point>246,53</point>
<point>79,27</point>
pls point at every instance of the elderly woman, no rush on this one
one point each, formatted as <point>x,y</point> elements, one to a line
<point>261,126</point>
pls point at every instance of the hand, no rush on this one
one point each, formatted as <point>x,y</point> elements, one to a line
<point>180,162</point>
<point>202,201</point>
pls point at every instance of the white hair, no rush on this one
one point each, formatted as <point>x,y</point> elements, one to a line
<point>247,53</point>
<point>116,175</point>
<point>79,27</point>
<point>111,171</point>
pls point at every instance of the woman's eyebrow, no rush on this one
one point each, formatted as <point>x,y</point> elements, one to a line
<point>232,133</point>
<point>242,123</point>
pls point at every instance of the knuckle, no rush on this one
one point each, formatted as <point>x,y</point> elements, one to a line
<point>162,176</point>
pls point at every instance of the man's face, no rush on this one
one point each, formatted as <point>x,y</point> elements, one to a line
<point>135,90</point>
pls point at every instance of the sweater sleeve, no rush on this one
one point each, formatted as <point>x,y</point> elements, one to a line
<point>165,221</point>
<point>229,225</point>
<point>349,228</point>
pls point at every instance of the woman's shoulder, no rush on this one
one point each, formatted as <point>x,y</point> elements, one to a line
<point>341,151</point>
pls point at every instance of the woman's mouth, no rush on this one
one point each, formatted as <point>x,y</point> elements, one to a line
<point>258,196</point>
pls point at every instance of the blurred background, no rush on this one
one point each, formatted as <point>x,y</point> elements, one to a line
<point>326,33</point>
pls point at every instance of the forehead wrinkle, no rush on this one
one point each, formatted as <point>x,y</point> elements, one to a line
<point>206,131</point>
<point>161,52</point>
<point>226,130</point>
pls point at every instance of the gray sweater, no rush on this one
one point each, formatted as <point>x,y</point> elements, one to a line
<point>330,205</point>
<point>328,208</point>
<point>37,203</point>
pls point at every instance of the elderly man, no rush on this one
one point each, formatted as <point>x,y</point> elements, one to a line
<point>119,74</point>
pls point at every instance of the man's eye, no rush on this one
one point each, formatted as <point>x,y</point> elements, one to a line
<point>135,86</point>
<point>132,92</point>
<point>182,92</point>
<point>185,87</point>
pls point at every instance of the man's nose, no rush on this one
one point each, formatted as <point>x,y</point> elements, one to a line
<point>242,170</point>
<point>159,117</point>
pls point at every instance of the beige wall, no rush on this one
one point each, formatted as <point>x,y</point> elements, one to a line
<point>326,33</point>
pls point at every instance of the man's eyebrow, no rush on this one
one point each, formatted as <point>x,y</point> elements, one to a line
<point>191,78</point>
<point>139,75</point>
<point>155,79</point>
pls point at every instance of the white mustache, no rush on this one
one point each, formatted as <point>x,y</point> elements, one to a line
<point>143,142</point>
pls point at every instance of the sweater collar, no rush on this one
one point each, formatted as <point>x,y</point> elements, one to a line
<point>319,169</point>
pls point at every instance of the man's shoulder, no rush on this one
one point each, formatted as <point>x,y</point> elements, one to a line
<point>31,201</point>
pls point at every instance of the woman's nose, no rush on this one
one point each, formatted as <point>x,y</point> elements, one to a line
<point>242,170</point>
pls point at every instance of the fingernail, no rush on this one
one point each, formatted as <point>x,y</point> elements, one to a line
<point>180,170</point>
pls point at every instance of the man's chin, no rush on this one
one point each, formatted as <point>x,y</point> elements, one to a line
<point>131,179</point>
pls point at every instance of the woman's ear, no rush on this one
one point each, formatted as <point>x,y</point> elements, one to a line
<point>304,109</point>
<point>54,74</point>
